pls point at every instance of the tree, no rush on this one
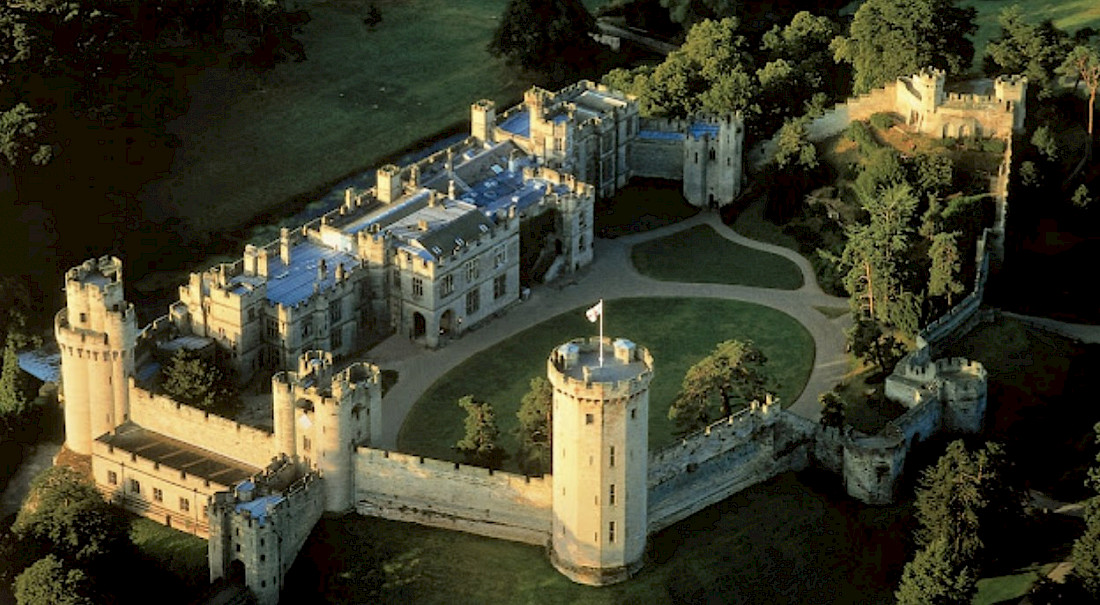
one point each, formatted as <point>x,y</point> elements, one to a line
<point>1086,549</point>
<point>868,341</point>
<point>933,578</point>
<point>1083,63</point>
<point>536,426</point>
<point>1081,197</point>
<point>1034,50</point>
<point>969,500</point>
<point>933,174</point>
<point>943,279</point>
<point>1045,142</point>
<point>543,34</point>
<point>13,397</point>
<point>732,374</point>
<point>794,147</point>
<point>50,582</point>
<point>20,135</point>
<point>192,380</point>
<point>892,38</point>
<point>832,409</point>
<point>64,512</point>
<point>479,445</point>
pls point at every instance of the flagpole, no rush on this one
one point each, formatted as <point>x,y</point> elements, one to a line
<point>601,332</point>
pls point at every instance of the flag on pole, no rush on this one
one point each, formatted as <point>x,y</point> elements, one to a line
<point>595,312</point>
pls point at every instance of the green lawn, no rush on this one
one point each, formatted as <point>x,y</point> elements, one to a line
<point>1004,589</point>
<point>250,142</point>
<point>791,540</point>
<point>1070,15</point>
<point>181,554</point>
<point>678,332</point>
<point>701,255</point>
<point>642,205</point>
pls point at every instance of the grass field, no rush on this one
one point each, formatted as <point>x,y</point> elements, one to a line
<point>678,332</point>
<point>701,255</point>
<point>794,539</point>
<point>182,554</point>
<point>1069,15</point>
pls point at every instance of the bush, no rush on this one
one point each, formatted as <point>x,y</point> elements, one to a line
<point>858,133</point>
<point>993,146</point>
<point>945,143</point>
<point>883,120</point>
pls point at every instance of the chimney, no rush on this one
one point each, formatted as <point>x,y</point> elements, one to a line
<point>321,270</point>
<point>250,259</point>
<point>451,189</point>
<point>349,197</point>
<point>340,272</point>
<point>284,245</point>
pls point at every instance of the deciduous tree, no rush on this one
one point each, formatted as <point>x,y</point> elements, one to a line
<point>730,375</point>
<point>832,409</point>
<point>1034,50</point>
<point>480,443</point>
<point>50,582</point>
<point>20,137</point>
<point>542,34</point>
<point>1045,142</point>
<point>536,426</point>
<point>892,38</point>
<point>195,381</point>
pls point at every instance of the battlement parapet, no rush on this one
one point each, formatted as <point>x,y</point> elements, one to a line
<point>565,363</point>
<point>740,425</point>
<point>435,467</point>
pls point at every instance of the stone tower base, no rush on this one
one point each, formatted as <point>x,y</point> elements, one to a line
<point>594,576</point>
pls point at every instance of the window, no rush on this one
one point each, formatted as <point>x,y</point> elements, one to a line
<point>418,287</point>
<point>611,457</point>
<point>499,257</point>
<point>251,314</point>
<point>713,154</point>
<point>500,286</point>
<point>611,531</point>
<point>83,317</point>
<point>205,510</point>
<point>135,487</point>
<point>185,504</point>
<point>582,220</point>
<point>446,285</point>
<point>158,495</point>
<point>305,444</point>
<point>472,270</point>
<point>588,419</point>
<point>112,477</point>
<point>397,279</point>
<point>337,338</point>
<point>272,328</point>
<point>611,495</point>
<point>473,301</point>
<point>335,311</point>
<point>633,413</point>
<point>580,243</point>
<point>306,326</point>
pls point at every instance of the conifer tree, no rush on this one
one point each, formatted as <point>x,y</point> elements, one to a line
<point>943,278</point>
<point>934,578</point>
<point>832,409</point>
<point>479,445</point>
<point>13,398</point>
<point>535,426</point>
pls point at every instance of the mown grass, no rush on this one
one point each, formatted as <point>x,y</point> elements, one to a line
<point>790,540</point>
<point>701,255</point>
<point>678,332</point>
<point>1069,15</point>
<point>182,554</point>
<point>644,204</point>
<point>251,141</point>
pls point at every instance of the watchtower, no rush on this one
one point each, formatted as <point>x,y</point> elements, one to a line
<point>95,333</point>
<point>483,120</point>
<point>600,456</point>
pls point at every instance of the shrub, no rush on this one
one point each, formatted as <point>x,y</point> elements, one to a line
<point>858,133</point>
<point>993,146</point>
<point>883,120</point>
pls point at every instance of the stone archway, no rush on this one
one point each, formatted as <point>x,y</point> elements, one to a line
<point>447,323</point>
<point>420,326</point>
<point>236,573</point>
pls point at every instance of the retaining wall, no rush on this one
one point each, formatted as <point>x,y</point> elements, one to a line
<point>453,496</point>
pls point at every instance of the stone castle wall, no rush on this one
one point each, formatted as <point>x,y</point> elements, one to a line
<point>725,458</point>
<point>453,496</point>
<point>658,150</point>
<point>201,429</point>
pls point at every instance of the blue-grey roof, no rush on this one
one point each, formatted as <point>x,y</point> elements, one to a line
<point>42,364</point>
<point>258,508</point>
<point>659,135</point>
<point>518,123</point>
<point>147,371</point>
<point>509,188</point>
<point>290,285</point>
<point>699,129</point>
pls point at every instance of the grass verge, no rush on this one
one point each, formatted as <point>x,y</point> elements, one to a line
<point>181,554</point>
<point>701,255</point>
<point>792,539</point>
<point>677,331</point>
<point>644,204</point>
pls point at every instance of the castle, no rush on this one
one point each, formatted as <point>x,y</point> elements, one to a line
<point>432,249</point>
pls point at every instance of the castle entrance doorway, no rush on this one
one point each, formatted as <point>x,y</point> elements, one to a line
<point>236,572</point>
<point>420,326</point>
<point>446,323</point>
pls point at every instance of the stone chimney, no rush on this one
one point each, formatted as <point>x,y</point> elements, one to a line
<point>284,245</point>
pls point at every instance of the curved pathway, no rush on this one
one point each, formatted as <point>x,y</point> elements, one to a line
<point>612,275</point>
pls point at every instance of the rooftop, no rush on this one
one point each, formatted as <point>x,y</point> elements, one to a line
<point>257,508</point>
<point>294,283</point>
<point>519,123</point>
<point>611,369</point>
<point>177,455</point>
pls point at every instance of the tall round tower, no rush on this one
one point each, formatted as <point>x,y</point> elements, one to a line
<point>95,333</point>
<point>600,455</point>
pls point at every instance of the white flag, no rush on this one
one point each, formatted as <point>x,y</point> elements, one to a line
<point>595,312</point>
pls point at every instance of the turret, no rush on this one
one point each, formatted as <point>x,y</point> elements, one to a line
<point>95,334</point>
<point>1013,91</point>
<point>483,120</point>
<point>600,459</point>
<point>388,187</point>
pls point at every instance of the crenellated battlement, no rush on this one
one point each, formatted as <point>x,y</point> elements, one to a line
<point>575,367</point>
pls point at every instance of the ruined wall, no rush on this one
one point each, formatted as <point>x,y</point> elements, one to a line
<point>725,458</point>
<point>201,429</point>
<point>453,496</point>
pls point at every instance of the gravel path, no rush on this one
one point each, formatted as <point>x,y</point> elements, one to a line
<point>610,276</point>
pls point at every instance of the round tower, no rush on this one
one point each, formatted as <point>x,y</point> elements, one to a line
<point>282,403</point>
<point>95,333</point>
<point>600,457</point>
